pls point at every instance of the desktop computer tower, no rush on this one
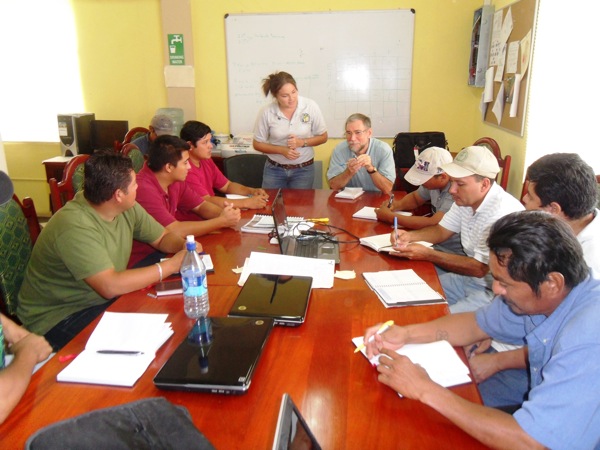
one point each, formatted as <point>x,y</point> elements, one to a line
<point>75,132</point>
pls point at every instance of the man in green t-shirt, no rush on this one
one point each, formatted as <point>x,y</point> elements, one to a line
<point>79,262</point>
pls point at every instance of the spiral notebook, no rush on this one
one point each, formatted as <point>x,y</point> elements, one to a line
<point>401,288</point>
<point>263,224</point>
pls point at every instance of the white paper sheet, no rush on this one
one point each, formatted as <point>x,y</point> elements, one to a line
<point>321,270</point>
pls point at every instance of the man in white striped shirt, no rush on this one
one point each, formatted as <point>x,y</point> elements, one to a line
<point>478,203</point>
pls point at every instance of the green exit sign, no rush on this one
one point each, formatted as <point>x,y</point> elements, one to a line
<point>175,46</point>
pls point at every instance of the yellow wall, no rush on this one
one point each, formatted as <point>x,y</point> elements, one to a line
<point>121,57</point>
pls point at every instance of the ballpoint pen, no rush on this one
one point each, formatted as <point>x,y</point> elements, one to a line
<point>396,228</point>
<point>391,202</point>
<point>381,330</point>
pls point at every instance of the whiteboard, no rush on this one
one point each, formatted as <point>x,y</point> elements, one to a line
<point>346,61</point>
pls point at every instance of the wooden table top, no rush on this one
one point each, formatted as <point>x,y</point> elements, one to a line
<point>336,390</point>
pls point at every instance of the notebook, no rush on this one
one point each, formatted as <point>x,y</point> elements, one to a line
<point>439,359</point>
<point>292,431</point>
<point>263,224</point>
<point>281,297</point>
<point>350,193</point>
<point>382,242</point>
<point>313,244</point>
<point>225,366</point>
<point>119,350</point>
<point>401,288</point>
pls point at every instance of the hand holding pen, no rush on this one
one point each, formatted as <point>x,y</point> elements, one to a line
<point>382,329</point>
<point>392,337</point>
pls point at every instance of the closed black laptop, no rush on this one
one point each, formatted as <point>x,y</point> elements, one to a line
<point>225,366</point>
<point>281,297</point>
<point>318,245</point>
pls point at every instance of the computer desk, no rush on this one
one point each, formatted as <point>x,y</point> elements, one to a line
<point>335,389</point>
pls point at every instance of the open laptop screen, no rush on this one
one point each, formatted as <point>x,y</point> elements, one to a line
<point>280,221</point>
<point>292,430</point>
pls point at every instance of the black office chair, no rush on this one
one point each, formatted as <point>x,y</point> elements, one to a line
<point>245,169</point>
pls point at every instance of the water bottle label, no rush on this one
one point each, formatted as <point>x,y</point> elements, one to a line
<point>195,287</point>
<point>195,291</point>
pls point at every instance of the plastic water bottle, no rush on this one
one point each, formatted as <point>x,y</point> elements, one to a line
<point>193,279</point>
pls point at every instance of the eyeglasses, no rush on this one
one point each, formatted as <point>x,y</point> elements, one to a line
<point>357,133</point>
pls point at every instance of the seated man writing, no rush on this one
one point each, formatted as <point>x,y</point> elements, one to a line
<point>434,186</point>
<point>78,264</point>
<point>563,185</point>
<point>478,202</point>
<point>361,161</point>
<point>205,177</point>
<point>546,297</point>
<point>164,194</point>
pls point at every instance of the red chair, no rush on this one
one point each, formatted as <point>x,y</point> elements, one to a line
<point>132,134</point>
<point>72,182</point>
<point>504,163</point>
<point>135,154</point>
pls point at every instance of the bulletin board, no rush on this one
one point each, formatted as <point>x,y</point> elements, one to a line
<point>524,14</point>
<point>342,70</point>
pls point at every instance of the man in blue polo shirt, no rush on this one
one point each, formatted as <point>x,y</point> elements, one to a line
<point>547,298</point>
<point>362,160</point>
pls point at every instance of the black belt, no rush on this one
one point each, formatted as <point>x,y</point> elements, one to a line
<point>292,166</point>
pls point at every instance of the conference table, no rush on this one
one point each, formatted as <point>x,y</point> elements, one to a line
<point>336,390</point>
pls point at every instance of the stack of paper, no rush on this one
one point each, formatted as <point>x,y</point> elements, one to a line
<point>119,350</point>
<point>439,359</point>
<point>350,193</point>
<point>367,212</point>
<point>263,224</point>
<point>401,288</point>
<point>321,270</point>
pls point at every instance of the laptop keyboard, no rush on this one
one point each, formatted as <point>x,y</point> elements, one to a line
<point>308,248</point>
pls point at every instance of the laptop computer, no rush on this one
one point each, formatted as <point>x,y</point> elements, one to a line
<point>322,245</point>
<point>225,366</point>
<point>292,430</point>
<point>281,297</point>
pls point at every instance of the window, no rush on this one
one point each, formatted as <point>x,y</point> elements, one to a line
<point>40,69</point>
<point>564,98</point>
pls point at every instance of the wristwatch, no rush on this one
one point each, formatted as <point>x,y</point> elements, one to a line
<point>305,144</point>
<point>371,172</point>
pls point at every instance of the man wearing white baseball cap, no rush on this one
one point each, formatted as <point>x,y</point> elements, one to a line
<point>434,187</point>
<point>478,202</point>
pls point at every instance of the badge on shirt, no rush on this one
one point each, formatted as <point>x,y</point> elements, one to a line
<point>305,118</point>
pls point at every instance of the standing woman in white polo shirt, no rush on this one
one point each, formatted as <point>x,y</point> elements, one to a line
<point>287,130</point>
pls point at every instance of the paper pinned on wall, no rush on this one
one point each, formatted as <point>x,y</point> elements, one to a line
<point>179,76</point>
<point>498,108</point>
<point>488,91</point>
<point>515,96</point>
<point>525,52</point>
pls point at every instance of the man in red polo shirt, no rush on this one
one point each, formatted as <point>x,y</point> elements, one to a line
<point>164,195</point>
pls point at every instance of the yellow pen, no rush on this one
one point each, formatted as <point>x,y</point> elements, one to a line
<point>382,329</point>
<point>322,220</point>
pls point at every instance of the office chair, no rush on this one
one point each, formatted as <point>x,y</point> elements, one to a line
<point>134,133</point>
<point>504,163</point>
<point>135,154</point>
<point>19,229</point>
<point>246,169</point>
<point>72,182</point>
